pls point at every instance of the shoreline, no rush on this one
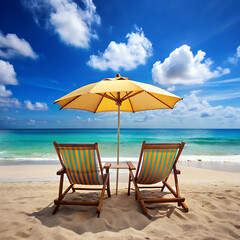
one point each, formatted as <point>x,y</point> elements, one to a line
<point>41,173</point>
<point>225,166</point>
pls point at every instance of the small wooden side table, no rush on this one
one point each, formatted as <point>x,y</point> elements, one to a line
<point>120,166</point>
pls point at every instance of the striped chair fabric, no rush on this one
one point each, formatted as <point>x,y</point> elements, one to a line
<point>156,165</point>
<point>81,165</point>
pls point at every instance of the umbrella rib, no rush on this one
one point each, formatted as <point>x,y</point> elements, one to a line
<point>159,100</point>
<point>125,98</point>
<point>99,104</point>
<point>70,102</point>
<point>107,96</point>
<point>131,105</point>
<point>113,96</point>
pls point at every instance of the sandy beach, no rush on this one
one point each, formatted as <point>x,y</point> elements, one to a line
<point>213,198</point>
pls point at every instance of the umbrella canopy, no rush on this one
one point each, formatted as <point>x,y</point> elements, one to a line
<point>115,94</point>
<point>131,95</point>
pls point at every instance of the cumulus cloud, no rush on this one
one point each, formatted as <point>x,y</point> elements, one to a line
<point>195,107</point>
<point>7,74</point>
<point>35,107</point>
<point>10,118</point>
<point>234,60</point>
<point>15,103</point>
<point>4,110</point>
<point>4,92</point>
<point>32,122</point>
<point>126,56</point>
<point>8,77</point>
<point>171,89</point>
<point>10,102</point>
<point>141,117</point>
<point>72,23</point>
<point>182,67</point>
<point>11,46</point>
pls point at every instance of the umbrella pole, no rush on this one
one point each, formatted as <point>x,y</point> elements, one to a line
<point>118,147</point>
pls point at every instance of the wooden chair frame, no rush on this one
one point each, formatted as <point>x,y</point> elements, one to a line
<point>177,198</point>
<point>61,172</point>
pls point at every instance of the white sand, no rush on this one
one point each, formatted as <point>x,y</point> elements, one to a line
<point>213,198</point>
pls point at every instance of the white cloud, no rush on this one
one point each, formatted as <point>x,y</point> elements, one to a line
<point>72,23</point>
<point>32,122</point>
<point>4,92</point>
<point>8,77</point>
<point>4,110</point>
<point>7,74</point>
<point>35,107</point>
<point>195,107</point>
<point>230,80</point>
<point>12,46</point>
<point>126,56</point>
<point>79,118</point>
<point>222,96</point>
<point>15,103</point>
<point>10,118</point>
<point>171,89</point>
<point>182,67</point>
<point>10,102</point>
<point>142,117</point>
<point>234,60</point>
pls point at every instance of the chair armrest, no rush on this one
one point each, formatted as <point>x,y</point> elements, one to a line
<point>61,171</point>
<point>107,165</point>
<point>178,171</point>
<point>131,166</point>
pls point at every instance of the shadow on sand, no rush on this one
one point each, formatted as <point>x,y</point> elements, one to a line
<point>118,213</point>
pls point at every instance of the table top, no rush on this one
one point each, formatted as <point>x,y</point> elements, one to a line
<point>119,166</point>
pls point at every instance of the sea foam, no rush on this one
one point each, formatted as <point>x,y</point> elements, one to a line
<point>183,158</point>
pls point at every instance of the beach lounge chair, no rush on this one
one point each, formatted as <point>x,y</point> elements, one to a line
<point>155,165</point>
<point>82,165</point>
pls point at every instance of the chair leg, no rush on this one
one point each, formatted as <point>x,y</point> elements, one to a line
<point>108,187</point>
<point>139,196</point>
<point>55,209</point>
<point>177,193</point>
<point>164,185</point>
<point>102,194</point>
<point>143,206</point>
<point>129,184</point>
<point>136,195</point>
<point>184,206</point>
<point>59,193</point>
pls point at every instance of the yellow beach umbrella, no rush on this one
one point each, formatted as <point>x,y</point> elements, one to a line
<point>118,94</point>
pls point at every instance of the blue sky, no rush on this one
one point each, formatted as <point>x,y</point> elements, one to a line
<point>49,48</point>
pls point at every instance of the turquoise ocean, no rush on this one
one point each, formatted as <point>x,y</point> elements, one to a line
<point>35,146</point>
